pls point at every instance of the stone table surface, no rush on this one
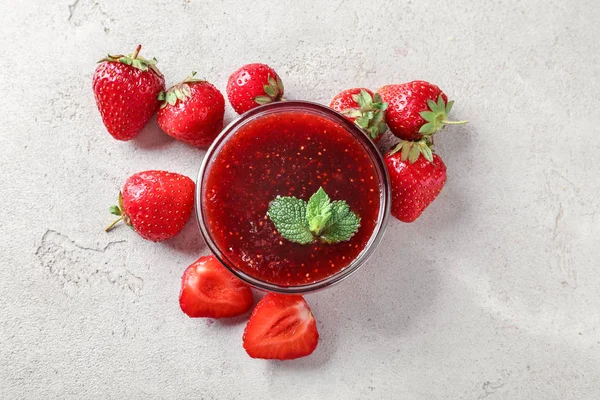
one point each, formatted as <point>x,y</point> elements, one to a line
<point>493,293</point>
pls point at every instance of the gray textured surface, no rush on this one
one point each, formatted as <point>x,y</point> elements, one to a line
<point>494,293</point>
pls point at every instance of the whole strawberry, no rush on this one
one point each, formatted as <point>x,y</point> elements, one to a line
<point>253,85</point>
<point>366,110</point>
<point>156,204</point>
<point>126,90</point>
<point>192,111</point>
<point>416,109</point>
<point>416,176</point>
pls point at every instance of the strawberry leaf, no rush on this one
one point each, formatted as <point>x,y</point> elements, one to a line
<point>411,151</point>
<point>263,99</point>
<point>114,210</point>
<point>179,94</point>
<point>352,113</point>
<point>279,84</point>
<point>427,153</point>
<point>270,90</point>
<point>414,154</point>
<point>171,98</point>
<point>406,146</point>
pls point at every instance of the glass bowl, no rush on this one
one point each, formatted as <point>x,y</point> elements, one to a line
<point>358,134</point>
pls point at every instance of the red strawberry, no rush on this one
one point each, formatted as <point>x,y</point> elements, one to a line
<point>209,290</point>
<point>413,112</point>
<point>281,327</point>
<point>366,110</point>
<point>416,175</point>
<point>253,85</point>
<point>192,111</point>
<point>126,90</point>
<point>156,204</point>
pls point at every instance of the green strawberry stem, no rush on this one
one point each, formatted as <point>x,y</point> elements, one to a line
<point>118,210</point>
<point>454,122</point>
<point>116,221</point>
<point>136,52</point>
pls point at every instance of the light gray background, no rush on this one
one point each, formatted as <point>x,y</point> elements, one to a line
<point>493,293</point>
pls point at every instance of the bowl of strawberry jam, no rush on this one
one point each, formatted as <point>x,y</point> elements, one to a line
<point>290,149</point>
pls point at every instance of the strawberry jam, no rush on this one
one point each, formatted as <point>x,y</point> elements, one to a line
<point>288,153</point>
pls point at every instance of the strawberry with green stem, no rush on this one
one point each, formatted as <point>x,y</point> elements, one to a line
<point>366,110</point>
<point>417,175</point>
<point>416,109</point>
<point>192,111</point>
<point>253,85</point>
<point>126,89</point>
<point>156,204</point>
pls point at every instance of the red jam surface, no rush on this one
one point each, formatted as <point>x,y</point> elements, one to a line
<point>287,154</point>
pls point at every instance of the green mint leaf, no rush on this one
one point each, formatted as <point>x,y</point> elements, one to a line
<point>342,225</point>
<point>318,211</point>
<point>289,216</point>
<point>300,222</point>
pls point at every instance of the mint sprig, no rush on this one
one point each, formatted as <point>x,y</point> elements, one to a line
<point>302,222</point>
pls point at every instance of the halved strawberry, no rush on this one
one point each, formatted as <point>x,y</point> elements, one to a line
<point>209,290</point>
<point>281,327</point>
